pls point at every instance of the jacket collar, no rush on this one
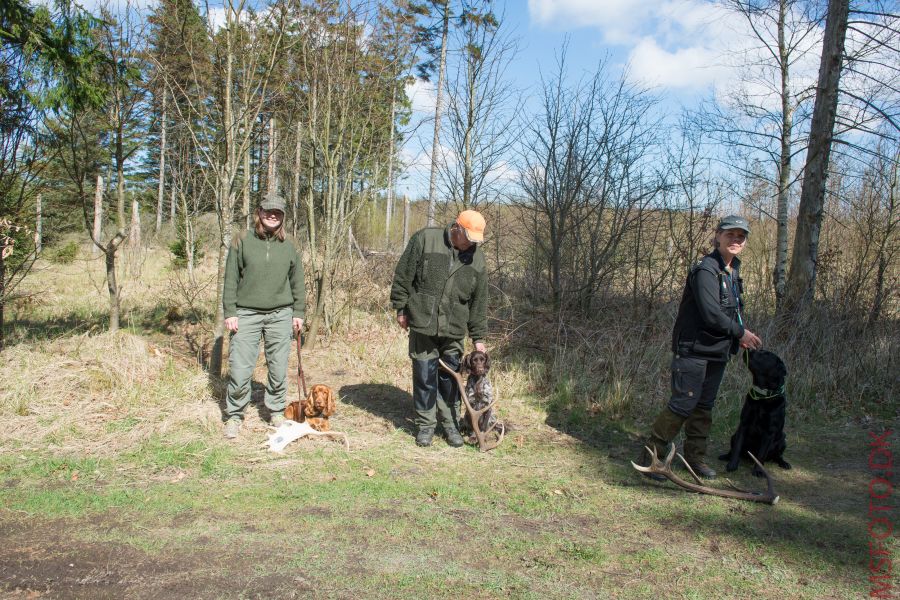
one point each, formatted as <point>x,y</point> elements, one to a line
<point>735,262</point>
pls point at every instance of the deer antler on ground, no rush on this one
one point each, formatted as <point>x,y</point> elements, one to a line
<point>486,441</point>
<point>658,467</point>
<point>291,430</point>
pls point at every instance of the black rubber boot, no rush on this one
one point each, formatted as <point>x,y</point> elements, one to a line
<point>662,432</point>
<point>696,434</point>
<point>454,439</point>
<point>425,436</point>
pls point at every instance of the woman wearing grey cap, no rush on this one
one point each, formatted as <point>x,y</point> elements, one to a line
<point>709,329</point>
<point>264,297</point>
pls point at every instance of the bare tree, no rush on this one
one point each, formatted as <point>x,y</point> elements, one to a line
<point>482,112</point>
<point>345,130</point>
<point>585,179</point>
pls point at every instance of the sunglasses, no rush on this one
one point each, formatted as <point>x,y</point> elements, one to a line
<point>272,214</point>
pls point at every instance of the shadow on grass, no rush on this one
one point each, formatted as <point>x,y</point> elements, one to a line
<point>27,330</point>
<point>382,400</point>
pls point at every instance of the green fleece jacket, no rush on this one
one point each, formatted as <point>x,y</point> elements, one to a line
<point>441,290</point>
<point>263,275</point>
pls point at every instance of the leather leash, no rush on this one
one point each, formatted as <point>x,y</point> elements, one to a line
<point>300,376</point>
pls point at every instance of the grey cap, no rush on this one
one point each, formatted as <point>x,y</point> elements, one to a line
<point>272,201</point>
<point>734,222</point>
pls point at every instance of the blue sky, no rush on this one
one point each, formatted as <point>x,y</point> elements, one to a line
<point>676,48</point>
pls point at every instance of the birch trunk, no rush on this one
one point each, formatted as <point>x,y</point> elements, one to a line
<point>38,231</point>
<point>389,207</point>
<point>161,191</point>
<point>784,166</point>
<point>246,188</point>
<point>405,220</point>
<point>98,215</point>
<point>435,144</point>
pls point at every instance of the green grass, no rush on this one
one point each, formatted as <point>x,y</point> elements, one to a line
<point>134,467</point>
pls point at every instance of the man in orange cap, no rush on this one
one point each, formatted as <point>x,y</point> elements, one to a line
<point>440,295</point>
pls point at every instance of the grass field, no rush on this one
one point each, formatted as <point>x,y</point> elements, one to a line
<point>115,480</point>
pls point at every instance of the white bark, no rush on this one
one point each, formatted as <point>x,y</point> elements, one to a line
<point>37,225</point>
<point>98,214</point>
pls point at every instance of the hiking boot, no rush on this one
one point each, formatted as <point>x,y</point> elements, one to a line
<point>696,433</point>
<point>277,420</point>
<point>453,438</point>
<point>232,427</point>
<point>425,436</point>
<point>703,470</point>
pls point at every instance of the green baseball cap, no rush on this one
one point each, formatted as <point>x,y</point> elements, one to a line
<point>733,222</point>
<point>272,201</point>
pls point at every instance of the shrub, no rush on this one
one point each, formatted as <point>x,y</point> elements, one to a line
<point>179,249</point>
<point>65,254</point>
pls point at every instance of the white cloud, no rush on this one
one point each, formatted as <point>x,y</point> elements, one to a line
<point>422,95</point>
<point>617,19</point>
<point>671,43</point>
<point>692,67</point>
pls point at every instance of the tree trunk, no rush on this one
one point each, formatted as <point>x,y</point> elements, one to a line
<point>38,229</point>
<point>389,207</point>
<point>295,189</point>
<point>435,145</point>
<point>225,200</point>
<point>189,241</point>
<point>405,220</point>
<point>246,187</point>
<point>172,205</point>
<point>111,285</point>
<point>784,166</point>
<point>271,174</point>
<point>802,276</point>
<point>98,214</point>
<point>161,191</point>
<point>135,234</point>
<point>2,298</point>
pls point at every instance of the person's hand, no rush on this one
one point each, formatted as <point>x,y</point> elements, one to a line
<point>750,340</point>
<point>403,320</point>
<point>480,347</point>
<point>298,325</point>
<point>231,324</point>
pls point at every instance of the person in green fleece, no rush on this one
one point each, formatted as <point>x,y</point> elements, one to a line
<point>264,297</point>
<point>440,295</point>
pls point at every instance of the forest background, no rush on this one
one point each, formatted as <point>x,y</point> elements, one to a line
<point>137,139</point>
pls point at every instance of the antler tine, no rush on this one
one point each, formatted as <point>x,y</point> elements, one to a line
<point>769,486</point>
<point>665,469</point>
<point>690,469</point>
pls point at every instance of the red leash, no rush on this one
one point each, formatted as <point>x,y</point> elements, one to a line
<point>300,376</point>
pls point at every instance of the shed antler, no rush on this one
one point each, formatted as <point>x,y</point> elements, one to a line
<point>657,467</point>
<point>493,435</point>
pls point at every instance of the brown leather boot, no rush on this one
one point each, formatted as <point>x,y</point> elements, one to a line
<point>696,433</point>
<point>662,432</point>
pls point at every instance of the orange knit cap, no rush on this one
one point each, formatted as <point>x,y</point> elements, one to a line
<point>473,224</point>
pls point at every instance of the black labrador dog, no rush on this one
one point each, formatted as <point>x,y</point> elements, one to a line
<point>761,428</point>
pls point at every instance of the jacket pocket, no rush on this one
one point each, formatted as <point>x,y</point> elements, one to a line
<point>421,309</point>
<point>711,344</point>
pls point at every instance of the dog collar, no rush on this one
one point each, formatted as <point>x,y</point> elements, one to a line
<point>758,393</point>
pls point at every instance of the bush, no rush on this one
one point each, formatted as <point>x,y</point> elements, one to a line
<point>179,249</point>
<point>65,254</point>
